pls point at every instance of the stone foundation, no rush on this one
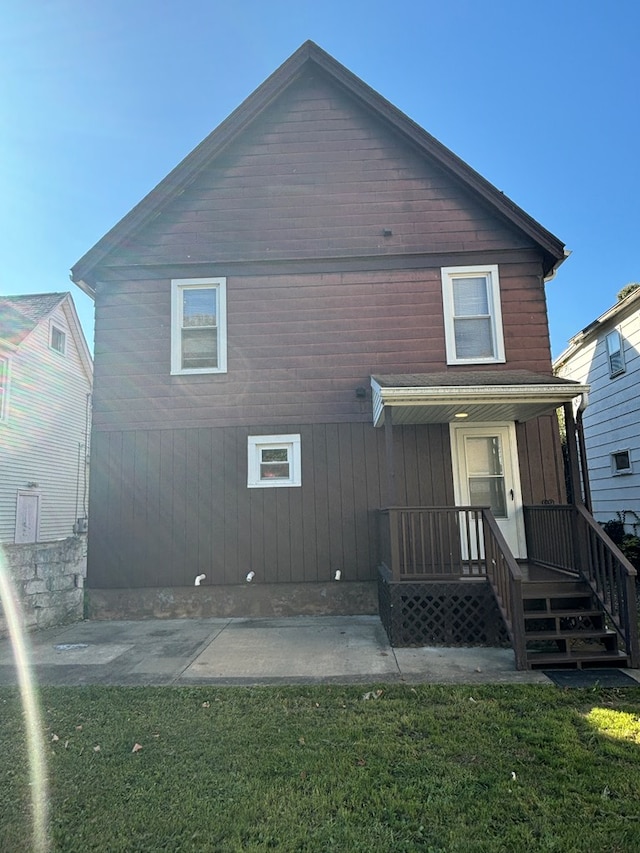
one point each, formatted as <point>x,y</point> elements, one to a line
<point>251,600</point>
<point>48,578</point>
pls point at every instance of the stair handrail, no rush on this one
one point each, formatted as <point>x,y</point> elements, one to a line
<point>623,618</point>
<point>505,578</point>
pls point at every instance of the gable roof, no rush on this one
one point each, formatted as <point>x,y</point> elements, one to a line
<point>310,55</point>
<point>20,315</point>
<point>611,316</point>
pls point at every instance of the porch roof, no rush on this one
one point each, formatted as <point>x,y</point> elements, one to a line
<point>470,396</point>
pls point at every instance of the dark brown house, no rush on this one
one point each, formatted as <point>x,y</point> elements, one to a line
<point>322,353</point>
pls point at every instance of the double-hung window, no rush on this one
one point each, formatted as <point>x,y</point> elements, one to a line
<point>198,325</point>
<point>58,340</point>
<point>615,353</point>
<point>274,460</point>
<point>472,315</point>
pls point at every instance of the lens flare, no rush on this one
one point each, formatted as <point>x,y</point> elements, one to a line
<point>30,710</point>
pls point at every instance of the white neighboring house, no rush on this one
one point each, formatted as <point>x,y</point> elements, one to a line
<point>606,356</point>
<point>46,377</point>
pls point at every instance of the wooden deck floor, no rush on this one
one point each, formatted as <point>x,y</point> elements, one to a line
<point>532,573</point>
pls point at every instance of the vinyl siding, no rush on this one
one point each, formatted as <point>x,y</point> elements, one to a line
<point>612,416</point>
<point>43,438</point>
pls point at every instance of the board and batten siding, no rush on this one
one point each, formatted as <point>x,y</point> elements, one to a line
<point>43,437</point>
<point>298,345</point>
<point>612,417</point>
<point>175,503</point>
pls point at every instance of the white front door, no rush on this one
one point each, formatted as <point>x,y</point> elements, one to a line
<point>27,517</point>
<point>486,473</point>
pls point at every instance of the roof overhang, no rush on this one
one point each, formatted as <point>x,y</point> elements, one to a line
<point>469,398</point>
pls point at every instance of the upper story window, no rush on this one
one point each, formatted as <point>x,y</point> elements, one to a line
<point>58,340</point>
<point>615,353</point>
<point>4,388</point>
<point>472,315</point>
<point>198,325</point>
<point>274,460</point>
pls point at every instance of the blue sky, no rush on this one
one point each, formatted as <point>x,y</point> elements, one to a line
<point>99,100</point>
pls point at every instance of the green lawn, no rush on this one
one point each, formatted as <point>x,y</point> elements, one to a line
<point>425,768</point>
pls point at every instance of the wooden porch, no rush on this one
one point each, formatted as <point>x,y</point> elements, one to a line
<point>571,604</point>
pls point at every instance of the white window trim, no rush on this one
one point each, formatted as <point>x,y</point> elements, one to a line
<point>5,368</point>
<point>490,272</point>
<point>177,286</point>
<point>256,443</point>
<point>623,367</point>
<point>620,472</point>
<point>58,328</point>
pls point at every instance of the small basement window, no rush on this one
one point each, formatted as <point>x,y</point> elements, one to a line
<point>274,460</point>
<point>621,462</point>
<point>58,340</point>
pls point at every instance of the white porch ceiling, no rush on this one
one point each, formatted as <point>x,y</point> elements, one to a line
<point>482,396</point>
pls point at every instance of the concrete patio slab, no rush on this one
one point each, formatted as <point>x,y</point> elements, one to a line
<point>298,649</point>
<point>438,665</point>
<point>302,648</point>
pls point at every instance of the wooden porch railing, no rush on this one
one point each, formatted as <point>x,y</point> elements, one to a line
<point>505,577</point>
<point>454,543</point>
<point>568,537</point>
<point>432,543</point>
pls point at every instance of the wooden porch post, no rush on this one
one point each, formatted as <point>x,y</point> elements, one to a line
<point>583,461</point>
<point>388,445</point>
<point>572,455</point>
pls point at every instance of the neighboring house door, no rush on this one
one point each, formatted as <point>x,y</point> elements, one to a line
<point>485,471</point>
<point>27,517</point>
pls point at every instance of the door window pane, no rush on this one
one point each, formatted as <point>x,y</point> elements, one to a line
<point>485,473</point>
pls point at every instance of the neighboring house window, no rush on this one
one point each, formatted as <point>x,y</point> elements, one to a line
<point>615,353</point>
<point>274,460</point>
<point>198,325</point>
<point>472,315</point>
<point>621,462</point>
<point>4,388</point>
<point>58,339</point>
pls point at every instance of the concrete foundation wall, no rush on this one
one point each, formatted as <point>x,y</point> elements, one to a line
<point>48,581</point>
<point>241,600</point>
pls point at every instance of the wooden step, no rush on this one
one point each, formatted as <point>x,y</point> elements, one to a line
<point>569,622</point>
<point>563,614</point>
<point>595,634</point>
<point>556,590</point>
<point>557,660</point>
